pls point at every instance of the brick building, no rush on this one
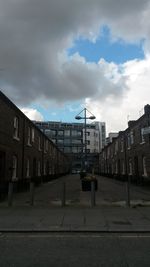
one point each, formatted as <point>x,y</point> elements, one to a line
<point>25,152</point>
<point>129,153</point>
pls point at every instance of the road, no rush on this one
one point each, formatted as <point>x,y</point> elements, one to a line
<point>75,250</point>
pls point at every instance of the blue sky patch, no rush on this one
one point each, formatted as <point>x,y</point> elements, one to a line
<point>118,51</point>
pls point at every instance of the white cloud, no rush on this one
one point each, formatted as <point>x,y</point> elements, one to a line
<point>117,113</point>
<point>35,35</point>
<point>32,114</point>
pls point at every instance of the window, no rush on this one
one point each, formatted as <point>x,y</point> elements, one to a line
<point>47,131</point>
<point>44,168</point>
<point>45,146</point>
<point>76,141</point>
<point>128,141</point>
<point>74,133</point>
<point>67,132</point>
<point>116,168</point>
<point>130,167</point>
<point>123,167</point>
<point>142,136</point>
<point>144,166</point>
<point>108,152</point>
<point>16,128</point>
<point>116,147</point>
<point>39,168</point>
<point>74,150</point>
<point>67,149</point>
<point>39,143</point>
<point>88,142</point>
<point>79,133</point>
<point>29,137</point>
<point>132,137</point>
<point>60,141</point>
<point>67,141</point>
<point>14,167</point>
<point>60,133</point>
<point>33,134</point>
<point>122,145</point>
<point>53,133</point>
<point>28,168</point>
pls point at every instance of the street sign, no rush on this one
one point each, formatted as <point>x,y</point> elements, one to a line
<point>146,130</point>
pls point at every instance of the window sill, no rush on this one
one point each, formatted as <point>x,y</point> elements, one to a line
<point>14,179</point>
<point>29,145</point>
<point>144,175</point>
<point>16,138</point>
<point>142,143</point>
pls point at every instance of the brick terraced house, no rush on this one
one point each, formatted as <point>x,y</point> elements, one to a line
<point>129,153</point>
<point>25,152</point>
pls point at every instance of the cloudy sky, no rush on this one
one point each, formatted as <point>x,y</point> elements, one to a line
<point>58,56</point>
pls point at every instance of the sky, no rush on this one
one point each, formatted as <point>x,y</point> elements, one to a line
<point>57,57</point>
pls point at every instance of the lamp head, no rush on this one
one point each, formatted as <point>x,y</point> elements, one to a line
<point>92,117</point>
<point>78,117</point>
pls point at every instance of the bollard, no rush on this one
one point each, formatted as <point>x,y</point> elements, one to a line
<point>128,192</point>
<point>63,200</point>
<point>10,193</point>
<point>31,193</point>
<point>92,193</point>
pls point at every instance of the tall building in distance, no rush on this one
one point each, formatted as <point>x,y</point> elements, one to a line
<point>70,138</point>
<point>110,137</point>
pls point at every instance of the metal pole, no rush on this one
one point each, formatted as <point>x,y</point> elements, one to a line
<point>92,193</point>
<point>10,193</point>
<point>128,177</point>
<point>128,192</point>
<point>31,193</point>
<point>85,160</point>
<point>63,200</point>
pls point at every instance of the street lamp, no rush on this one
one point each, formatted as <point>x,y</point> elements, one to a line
<point>85,118</point>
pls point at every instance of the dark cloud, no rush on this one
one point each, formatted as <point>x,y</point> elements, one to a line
<point>34,35</point>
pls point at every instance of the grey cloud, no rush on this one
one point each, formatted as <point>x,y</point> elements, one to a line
<point>33,33</point>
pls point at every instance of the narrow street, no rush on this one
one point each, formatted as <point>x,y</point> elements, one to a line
<point>110,193</point>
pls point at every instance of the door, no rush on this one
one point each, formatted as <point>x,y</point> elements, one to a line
<point>2,166</point>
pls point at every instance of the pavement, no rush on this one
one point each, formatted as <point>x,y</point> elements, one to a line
<point>106,219</point>
<point>79,216</point>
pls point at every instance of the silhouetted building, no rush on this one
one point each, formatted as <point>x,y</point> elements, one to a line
<point>26,153</point>
<point>129,153</point>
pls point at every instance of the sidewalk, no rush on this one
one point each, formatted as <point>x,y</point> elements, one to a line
<point>109,215</point>
<point>105,219</point>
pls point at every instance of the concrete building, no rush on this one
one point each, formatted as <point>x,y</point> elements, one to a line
<point>70,138</point>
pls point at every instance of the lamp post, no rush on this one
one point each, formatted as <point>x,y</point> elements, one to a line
<point>85,117</point>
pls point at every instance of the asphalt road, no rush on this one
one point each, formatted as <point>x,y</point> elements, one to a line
<point>75,250</point>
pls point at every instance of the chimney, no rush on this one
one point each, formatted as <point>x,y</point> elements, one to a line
<point>147,109</point>
<point>131,123</point>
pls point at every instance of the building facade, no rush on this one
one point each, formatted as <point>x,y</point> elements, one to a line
<point>70,138</point>
<point>25,152</point>
<point>129,153</point>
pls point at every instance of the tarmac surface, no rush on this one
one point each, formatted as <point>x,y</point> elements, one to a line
<point>110,213</point>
